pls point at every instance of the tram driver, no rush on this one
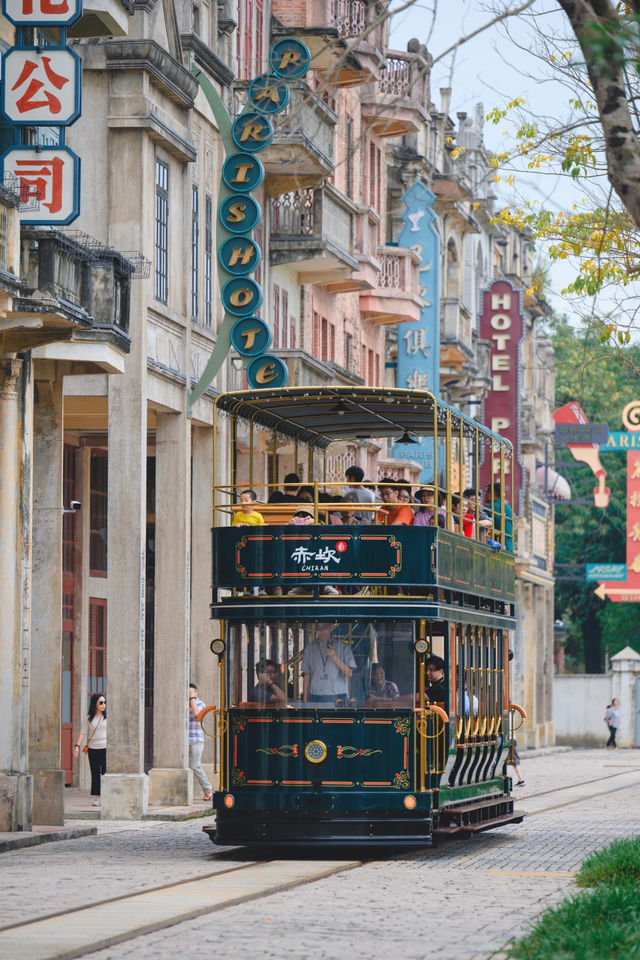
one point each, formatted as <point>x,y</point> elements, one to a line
<point>327,666</point>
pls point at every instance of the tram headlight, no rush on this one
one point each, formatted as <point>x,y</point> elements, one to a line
<point>229,800</point>
<point>217,646</point>
<point>410,802</point>
<point>421,646</point>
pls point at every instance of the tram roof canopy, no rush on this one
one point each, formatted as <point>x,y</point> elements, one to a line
<point>322,415</point>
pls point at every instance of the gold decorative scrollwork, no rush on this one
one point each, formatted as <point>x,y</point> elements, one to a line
<point>238,724</point>
<point>348,753</point>
<point>220,722</point>
<point>402,725</point>
<point>286,750</point>
<point>401,780</point>
<point>238,778</point>
<point>421,721</point>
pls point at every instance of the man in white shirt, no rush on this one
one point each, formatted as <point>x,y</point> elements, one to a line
<point>327,667</point>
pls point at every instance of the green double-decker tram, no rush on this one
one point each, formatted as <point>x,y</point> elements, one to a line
<point>363,659</point>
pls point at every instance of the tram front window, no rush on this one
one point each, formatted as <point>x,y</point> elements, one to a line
<point>328,663</point>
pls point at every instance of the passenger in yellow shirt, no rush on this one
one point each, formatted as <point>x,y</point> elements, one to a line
<point>248,517</point>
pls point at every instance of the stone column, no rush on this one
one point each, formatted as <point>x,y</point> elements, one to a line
<point>204,665</point>
<point>16,785</point>
<point>170,778</point>
<point>46,614</point>
<point>125,785</point>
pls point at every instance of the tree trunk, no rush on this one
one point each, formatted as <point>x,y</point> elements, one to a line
<point>621,140</point>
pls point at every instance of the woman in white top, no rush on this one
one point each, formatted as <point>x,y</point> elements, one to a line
<point>96,741</point>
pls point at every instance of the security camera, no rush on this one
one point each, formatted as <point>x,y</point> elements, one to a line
<point>75,505</point>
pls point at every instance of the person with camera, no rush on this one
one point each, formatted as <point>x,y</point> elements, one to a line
<point>327,667</point>
<point>96,745</point>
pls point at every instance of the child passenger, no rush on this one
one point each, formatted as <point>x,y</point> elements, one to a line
<point>248,517</point>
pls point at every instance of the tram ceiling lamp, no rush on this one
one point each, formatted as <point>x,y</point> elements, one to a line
<point>340,408</point>
<point>405,438</point>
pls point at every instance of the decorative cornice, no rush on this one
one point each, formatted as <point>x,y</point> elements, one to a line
<point>207,59</point>
<point>148,55</point>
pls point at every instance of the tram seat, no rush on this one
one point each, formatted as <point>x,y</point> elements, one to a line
<point>250,705</point>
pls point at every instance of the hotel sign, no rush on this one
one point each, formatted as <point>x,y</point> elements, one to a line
<point>502,325</point>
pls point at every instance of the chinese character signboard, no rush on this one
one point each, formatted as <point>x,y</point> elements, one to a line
<point>52,176</point>
<point>41,86</point>
<point>39,13</point>
<point>419,343</point>
<point>502,326</point>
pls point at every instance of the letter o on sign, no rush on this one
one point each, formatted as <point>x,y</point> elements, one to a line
<point>250,336</point>
<point>241,296</point>
<point>267,371</point>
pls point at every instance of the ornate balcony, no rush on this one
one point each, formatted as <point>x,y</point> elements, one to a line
<point>314,229</point>
<point>72,289</point>
<point>395,298</point>
<point>397,103</point>
<point>301,152</point>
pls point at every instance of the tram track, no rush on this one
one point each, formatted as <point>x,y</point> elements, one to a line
<point>83,930</point>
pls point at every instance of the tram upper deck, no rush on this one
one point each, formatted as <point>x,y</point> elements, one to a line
<point>319,551</point>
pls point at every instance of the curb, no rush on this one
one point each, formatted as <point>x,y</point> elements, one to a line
<point>18,840</point>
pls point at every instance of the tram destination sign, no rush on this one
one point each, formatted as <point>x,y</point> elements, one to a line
<point>575,433</point>
<point>317,557</point>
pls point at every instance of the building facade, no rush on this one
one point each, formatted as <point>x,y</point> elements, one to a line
<point>114,596</point>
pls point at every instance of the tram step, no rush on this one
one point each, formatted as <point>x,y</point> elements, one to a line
<point>479,826</point>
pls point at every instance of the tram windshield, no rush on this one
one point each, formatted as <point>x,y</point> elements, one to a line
<point>350,664</point>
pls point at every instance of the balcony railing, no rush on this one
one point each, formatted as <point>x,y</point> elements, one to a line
<point>398,270</point>
<point>312,213</point>
<point>308,117</point>
<point>456,323</point>
<point>315,228</point>
<point>89,282</point>
<point>398,101</point>
<point>349,17</point>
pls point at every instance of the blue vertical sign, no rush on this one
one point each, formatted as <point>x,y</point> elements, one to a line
<point>419,343</point>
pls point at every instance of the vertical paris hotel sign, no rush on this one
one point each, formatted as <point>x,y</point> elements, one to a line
<point>41,88</point>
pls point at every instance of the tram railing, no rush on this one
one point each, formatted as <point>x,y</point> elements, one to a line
<point>323,502</point>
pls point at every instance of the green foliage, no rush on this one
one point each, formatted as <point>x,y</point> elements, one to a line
<point>603,380</point>
<point>619,863</point>
<point>599,924</point>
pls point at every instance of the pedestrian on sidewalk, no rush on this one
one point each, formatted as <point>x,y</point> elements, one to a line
<point>196,741</point>
<point>612,718</point>
<point>514,761</point>
<point>96,747</point>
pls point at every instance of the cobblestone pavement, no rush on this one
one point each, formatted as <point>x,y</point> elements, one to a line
<point>463,899</point>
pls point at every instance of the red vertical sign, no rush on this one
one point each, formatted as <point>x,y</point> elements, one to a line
<point>501,324</point>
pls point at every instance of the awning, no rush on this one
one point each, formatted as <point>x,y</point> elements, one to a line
<point>556,486</point>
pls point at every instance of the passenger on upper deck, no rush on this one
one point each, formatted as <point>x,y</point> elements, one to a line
<point>266,689</point>
<point>492,505</point>
<point>248,517</point>
<point>358,494</point>
<point>435,688</point>
<point>484,520</point>
<point>381,689</point>
<point>291,487</point>
<point>398,498</point>
<point>327,667</point>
